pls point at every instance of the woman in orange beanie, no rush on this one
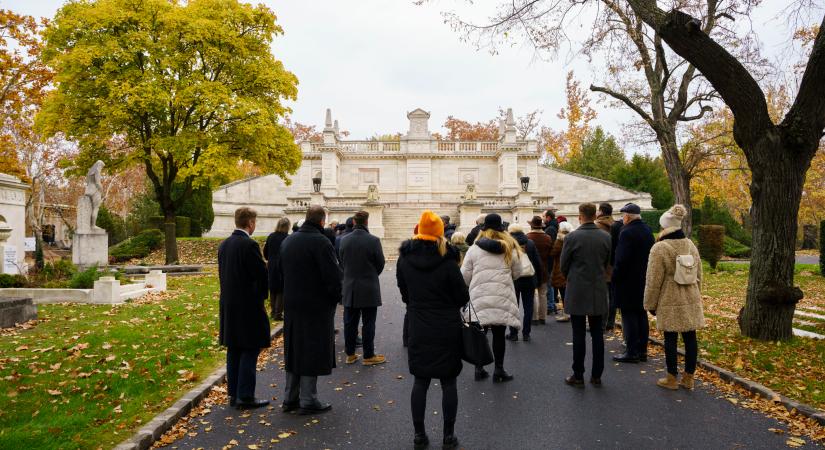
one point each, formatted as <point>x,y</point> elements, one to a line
<point>432,287</point>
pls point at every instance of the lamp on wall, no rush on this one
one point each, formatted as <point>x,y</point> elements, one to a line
<point>316,184</point>
<point>525,183</point>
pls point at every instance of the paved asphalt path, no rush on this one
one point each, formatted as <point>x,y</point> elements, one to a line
<point>371,406</point>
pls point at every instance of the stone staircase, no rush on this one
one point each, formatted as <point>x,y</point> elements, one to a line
<point>399,223</point>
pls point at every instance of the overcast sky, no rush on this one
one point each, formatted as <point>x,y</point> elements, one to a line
<point>371,61</point>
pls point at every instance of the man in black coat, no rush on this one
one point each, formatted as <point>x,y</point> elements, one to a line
<point>629,274</point>
<point>449,228</point>
<point>244,326</point>
<point>362,260</point>
<point>473,234</point>
<point>551,228</point>
<point>272,253</point>
<point>312,290</point>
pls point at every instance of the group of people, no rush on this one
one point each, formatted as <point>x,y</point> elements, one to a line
<point>446,279</point>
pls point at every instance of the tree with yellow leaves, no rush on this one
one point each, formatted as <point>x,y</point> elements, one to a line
<point>562,146</point>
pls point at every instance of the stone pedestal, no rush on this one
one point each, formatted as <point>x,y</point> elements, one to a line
<point>523,211</point>
<point>89,249</point>
<point>468,212</point>
<point>10,261</point>
<point>107,290</point>
<point>156,280</point>
<point>376,220</point>
<point>14,310</point>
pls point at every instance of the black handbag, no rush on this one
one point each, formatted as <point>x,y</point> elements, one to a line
<point>475,347</point>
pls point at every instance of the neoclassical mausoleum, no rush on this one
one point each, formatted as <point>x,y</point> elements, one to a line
<point>396,180</point>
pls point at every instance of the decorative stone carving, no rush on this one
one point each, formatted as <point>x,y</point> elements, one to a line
<point>372,193</point>
<point>470,193</point>
<point>89,204</point>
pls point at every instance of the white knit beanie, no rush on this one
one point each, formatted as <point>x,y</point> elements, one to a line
<point>673,217</point>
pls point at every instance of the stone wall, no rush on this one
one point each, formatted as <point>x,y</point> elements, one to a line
<point>13,208</point>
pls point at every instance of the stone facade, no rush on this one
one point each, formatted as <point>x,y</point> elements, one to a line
<point>13,213</point>
<point>417,172</point>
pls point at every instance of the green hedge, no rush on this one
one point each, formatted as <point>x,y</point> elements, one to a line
<point>651,218</point>
<point>183,225</point>
<point>86,279</point>
<point>137,247</point>
<point>12,281</point>
<point>736,249</point>
<point>711,243</point>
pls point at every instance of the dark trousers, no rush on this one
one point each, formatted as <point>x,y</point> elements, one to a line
<point>240,371</point>
<point>636,330</point>
<point>499,332</point>
<point>405,334</point>
<point>611,314</point>
<point>691,351</point>
<point>276,304</point>
<point>301,390</point>
<point>580,345</point>
<point>527,296</point>
<point>449,403</point>
<point>351,318</point>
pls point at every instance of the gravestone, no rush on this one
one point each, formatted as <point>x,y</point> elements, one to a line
<point>14,310</point>
<point>90,244</point>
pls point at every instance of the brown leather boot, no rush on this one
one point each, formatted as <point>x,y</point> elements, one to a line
<point>669,382</point>
<point>687,381</point>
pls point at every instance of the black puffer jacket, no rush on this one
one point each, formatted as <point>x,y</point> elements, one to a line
<point>533,253</point>
<point>432,287</point>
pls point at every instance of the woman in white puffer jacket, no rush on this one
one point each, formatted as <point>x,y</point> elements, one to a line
<point>489,268</point>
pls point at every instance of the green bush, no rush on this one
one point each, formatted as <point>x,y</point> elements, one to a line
<point>711,243</point>
<point>713,213</point>
<point>182,225</point>
<point>198,207</point>
<point>651,218</point>
<point>736,249</point>
<point>12,281</point>
<point>137,247</point>
<point>114,225</point>
<point>86,279</point>
<point>61,268</point>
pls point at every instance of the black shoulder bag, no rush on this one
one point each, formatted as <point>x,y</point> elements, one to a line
<point>476,348</point>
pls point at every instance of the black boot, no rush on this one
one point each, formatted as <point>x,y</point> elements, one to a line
<point>421,441</point>
<point>501,376</point>
<point>450,442</point>
<point>481,373</point>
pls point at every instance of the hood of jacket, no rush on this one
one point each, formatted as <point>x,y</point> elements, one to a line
<point>490,245</point>
<point>423,255</point>
<point>604,221</point>
<point>520,237</point>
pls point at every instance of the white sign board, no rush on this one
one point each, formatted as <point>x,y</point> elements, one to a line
<point>29,244</point>
<point>9,259</point>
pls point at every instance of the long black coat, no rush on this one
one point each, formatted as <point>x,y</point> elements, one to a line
<point>532,252</point>
<point>242,274</point>
<point>473,235</point>
<point>362,259</point>
<point>312,290</point>
<point>432,287</point>
<point>630,265</point>
<point>272,253</point>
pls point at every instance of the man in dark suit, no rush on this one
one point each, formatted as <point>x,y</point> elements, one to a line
<point>312,290</point>
<point>629,277</point>
<point>362,259</point>
<point>244,326</point>
<point>585,258</point>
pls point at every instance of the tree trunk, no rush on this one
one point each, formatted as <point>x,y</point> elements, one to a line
<point>679,179</point>
<point>171,241</point>
<point>776,190</point>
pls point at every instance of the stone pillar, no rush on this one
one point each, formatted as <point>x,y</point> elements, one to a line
<point>508,157</point>
<point>156,280</point>
<point>12,224</point>
<point>523,211</point>
<point>376,220</point>
<point>90,248</point>
<point>330,157</point>
<point>106,290</point>
<point>468,212</point>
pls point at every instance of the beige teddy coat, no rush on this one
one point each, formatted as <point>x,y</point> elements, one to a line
<point>678,307</point>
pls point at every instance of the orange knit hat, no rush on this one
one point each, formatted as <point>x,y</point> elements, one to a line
<point>430,226</point>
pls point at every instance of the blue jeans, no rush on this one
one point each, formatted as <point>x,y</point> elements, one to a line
<point>351,318</point>
<point>551,299</point>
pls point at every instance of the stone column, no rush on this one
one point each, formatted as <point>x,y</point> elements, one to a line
<point>523,211</point>
<point>376,220</point>
<point>12,223</point>
<point>106,290</point>
<point>468,212</point>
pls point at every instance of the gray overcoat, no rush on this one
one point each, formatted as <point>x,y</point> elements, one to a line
<point>362,259</point>
<point>585,258</point>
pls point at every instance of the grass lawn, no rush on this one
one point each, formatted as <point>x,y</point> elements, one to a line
<point>87,376</point>
<point>795,369</point>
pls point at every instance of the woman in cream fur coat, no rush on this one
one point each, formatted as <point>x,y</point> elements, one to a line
<point>489,268</point>
<point>676,305</point>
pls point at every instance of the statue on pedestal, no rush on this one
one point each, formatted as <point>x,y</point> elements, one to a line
<point>372,193</point>
<point>470,193</point>
<point>89,204</point>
